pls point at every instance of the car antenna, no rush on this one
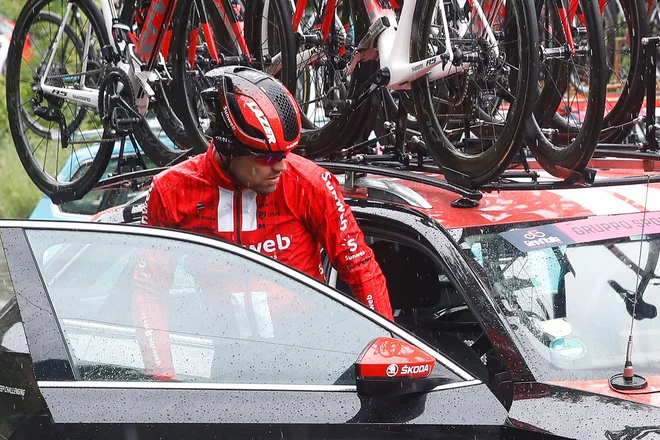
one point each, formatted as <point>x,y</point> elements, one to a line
<point>628,380</point>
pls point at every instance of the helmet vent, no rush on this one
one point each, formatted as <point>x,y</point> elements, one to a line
<point>284,108</point>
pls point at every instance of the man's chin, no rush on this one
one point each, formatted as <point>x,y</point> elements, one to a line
<point>266,189</point>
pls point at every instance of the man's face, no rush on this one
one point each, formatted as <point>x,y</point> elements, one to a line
<point>260,177</point>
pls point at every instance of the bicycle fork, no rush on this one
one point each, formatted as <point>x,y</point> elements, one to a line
<point>389,42</point>
<point>82,95</point>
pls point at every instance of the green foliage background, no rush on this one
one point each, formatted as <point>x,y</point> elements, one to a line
<point>18,195</point>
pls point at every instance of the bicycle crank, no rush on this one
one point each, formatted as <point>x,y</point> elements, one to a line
<point>117,107</point>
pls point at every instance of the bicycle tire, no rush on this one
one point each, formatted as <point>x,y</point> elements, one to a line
<point>576,153</point>
<point>630,101</point>
<point>57,190</point>
<point>341,131</point>
<point>168,119</point>
<point>71,34</point>
<point>522,43</point>
<point>554,69</point>
<point>627,105</point>
<point>190,83</point>
<point>255,38</point>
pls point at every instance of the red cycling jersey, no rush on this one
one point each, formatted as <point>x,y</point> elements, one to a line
<point>304,213</point>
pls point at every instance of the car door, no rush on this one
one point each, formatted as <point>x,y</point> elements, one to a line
<point>254,349</point>
<point>436,295</point>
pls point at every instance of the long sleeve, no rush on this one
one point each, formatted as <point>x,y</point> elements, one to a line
<point>154,274</point>
<point>332,222</point>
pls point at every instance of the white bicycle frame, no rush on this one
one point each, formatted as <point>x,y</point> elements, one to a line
<point>88,97</point>
<point>85,96</point>
<point>393,46</point>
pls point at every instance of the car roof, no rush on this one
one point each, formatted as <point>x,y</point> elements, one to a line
<point>533,205</point>
<point>618,189</point>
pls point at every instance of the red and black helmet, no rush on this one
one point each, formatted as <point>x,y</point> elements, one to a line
<point>253,108</point>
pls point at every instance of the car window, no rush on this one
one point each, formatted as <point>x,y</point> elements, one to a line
<point>571,305</point>
<point>12,333</point>
<point>227,319</point>
<point>426,302</point>
<point>97,200</point>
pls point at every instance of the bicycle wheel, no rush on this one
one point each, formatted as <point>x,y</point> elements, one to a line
<point>31,120</point>
<point>324,88</point>
<point>197,28</point>
<point>571,106</point>
<point>472,120</point>
<point>624,26</point>
<point>33,63</point>
<point>161,131</point>
<point>624,29</point>
<point>271,40</point>
<point>201,29</point>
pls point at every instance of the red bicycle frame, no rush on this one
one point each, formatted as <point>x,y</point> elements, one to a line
<point>156,32</point>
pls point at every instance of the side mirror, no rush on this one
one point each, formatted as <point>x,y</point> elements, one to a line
<point>390,367</point>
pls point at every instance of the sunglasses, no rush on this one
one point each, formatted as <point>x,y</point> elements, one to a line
<point>269,158</point>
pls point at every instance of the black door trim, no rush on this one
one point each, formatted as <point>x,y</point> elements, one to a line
<point>50,355</point>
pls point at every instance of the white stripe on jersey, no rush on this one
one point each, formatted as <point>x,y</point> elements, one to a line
<point>226,211</point>
<point>249,208</point>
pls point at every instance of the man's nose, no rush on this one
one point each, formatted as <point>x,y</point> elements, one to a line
<point>280,166</point>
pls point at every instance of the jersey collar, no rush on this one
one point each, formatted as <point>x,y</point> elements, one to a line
<point>216,173</point>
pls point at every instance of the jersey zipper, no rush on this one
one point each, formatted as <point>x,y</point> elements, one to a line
<point>237,214</point>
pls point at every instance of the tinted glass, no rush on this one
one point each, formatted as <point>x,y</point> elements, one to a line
<point>100,199</point>
<point>227,319</point>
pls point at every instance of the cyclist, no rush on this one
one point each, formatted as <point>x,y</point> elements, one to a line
<point>250,189</point>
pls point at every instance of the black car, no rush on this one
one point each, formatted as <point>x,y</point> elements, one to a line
<point>72,368</point>
<point>523,330</point>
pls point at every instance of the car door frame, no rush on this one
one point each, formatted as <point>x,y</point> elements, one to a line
<point>428,236</point>
<point>317,410</point>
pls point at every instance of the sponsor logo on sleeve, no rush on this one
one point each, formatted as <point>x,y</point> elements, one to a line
<point>370,302</point>
<point>341,209</point>
<point>144,219</point>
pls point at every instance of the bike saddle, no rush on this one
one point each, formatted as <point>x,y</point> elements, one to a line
<point>642,309</point>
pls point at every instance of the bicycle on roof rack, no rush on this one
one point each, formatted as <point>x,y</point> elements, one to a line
<point>470,112</point>
<point>416,167</point>
<point>473,77</point>
<point>94,76</point>
<point>351,50</point>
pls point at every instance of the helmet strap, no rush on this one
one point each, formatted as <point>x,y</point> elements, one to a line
<point>227,147</point>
